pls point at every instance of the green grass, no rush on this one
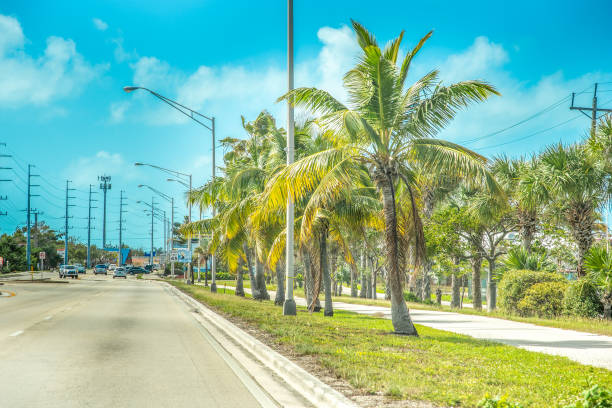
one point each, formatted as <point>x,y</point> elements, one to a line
<point>588,325</point>
<point>439,367</point>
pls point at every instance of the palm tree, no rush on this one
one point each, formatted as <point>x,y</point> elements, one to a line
<point>598,262</point>
<point>576,187</point>
<point>385,135</point>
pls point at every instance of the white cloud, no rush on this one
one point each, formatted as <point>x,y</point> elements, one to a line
<point>99,24</point>
<point>121,55</point>
<point>488,61</point>
<point>117,111</point>
<point>82,171</point>
<point>61,71</point>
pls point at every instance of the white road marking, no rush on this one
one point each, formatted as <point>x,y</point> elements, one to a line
<point>17,333</point>
<point>48,317</point>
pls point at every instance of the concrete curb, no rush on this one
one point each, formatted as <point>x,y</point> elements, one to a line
<point>307,385</point>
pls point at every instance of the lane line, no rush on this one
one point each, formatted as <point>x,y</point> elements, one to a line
<point>17,333</point>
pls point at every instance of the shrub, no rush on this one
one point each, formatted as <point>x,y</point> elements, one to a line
<point>515,283</point>
<point>581,299</point>
<point>411,297</point>
<point>596,396</point>
<point>544,299</point>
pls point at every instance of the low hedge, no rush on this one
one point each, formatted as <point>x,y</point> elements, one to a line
<point>544,299</point>
<point>582,299</point>
<point>515,283</point>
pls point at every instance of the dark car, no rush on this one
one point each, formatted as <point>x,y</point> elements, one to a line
<point>136,270</point>
<point>148,268</point>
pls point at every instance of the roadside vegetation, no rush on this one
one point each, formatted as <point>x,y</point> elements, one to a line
<point>441,367</point>
<point>384,206</point>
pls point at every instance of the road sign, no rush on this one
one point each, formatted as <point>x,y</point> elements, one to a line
<point>184,255</point>
<point>41,255</point>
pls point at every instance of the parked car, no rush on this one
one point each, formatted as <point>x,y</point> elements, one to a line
<point>100,269</point>
<point>80,268</point>
<point>68,271</point>
<point>112,267</point>
<point>148,268</point>
<point>136,270</point>
<point>120,273</point>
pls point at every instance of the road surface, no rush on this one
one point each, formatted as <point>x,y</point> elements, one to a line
<point>96,342</point>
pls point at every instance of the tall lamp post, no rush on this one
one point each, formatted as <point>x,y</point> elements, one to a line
<point>289,308</point>
<point>152,207</point>
<point>183,176</point>
<point>171,200</point>
<point>200,119</point>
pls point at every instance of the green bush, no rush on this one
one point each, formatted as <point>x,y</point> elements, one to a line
<point>411,297</point>
<point>544,299</point>
<point>581,299</point>
<point>594,397</point>
<point>515,283</point>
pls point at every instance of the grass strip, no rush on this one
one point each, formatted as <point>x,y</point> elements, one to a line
<point>440,367</point>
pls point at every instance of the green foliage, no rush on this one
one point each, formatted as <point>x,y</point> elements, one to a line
<point>582,299</point>
<point>519,258</point>
<point>514,285</point>
<point>498,402</point>
<point>595,396</point>
<point>598,262</point>
<point>411,297</point>
<point>544,299</point>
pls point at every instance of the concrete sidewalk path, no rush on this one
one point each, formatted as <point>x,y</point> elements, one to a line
<point>585,348</point>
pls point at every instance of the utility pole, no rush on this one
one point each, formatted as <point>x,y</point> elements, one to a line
<point>592,110</point>
<point>89,226</point>
<point>2,198</point>
<point>105,185</point>
<point>121,212</point>
<point>289,307</point>
<point>68,205</point>
<point>152,223</point>
<point>36,214</point>
<point>29,211</point>
<point>172,235</point>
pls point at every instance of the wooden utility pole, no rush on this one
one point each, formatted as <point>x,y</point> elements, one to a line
<point>593,110</point>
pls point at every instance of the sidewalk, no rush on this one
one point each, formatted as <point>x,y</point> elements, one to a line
<point>585,348</point>
<point>381,296</point>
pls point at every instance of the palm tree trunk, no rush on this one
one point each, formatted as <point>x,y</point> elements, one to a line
<point>527,224</point>
<point>476,262</point>
<point>491,287</point>
<point>387,289</point>
<point>239,281</point>
<point>260,277</point>
<point>400,316</point>
<point>329,309</point>
<point>247,255</point>
<point>353,279</point>
<point>580,219</point>
<point>308,281</point>
<point>280,284</point>
<point>374,296</point>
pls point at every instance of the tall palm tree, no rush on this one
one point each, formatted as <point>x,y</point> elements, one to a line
<point>385,134</point>
<point>576,186</point>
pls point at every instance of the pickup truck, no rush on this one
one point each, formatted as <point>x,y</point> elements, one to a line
<point>68,271</point>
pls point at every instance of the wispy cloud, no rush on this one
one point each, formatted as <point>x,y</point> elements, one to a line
<point>24,79</point>
<point>99,24</point>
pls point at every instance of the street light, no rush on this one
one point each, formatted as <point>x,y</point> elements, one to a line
<point>198,118</point>
<point>171,200</point>
<point>152,205</point>
<point>289,307</point>
<point>178,175</point>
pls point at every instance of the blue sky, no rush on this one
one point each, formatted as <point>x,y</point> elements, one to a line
<point>63,64</point>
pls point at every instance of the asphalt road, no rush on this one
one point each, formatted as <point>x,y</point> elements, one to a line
<point>98,342</point>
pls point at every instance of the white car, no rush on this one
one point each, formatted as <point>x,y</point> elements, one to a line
<point>68,271</point>
<point>112,267</point>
